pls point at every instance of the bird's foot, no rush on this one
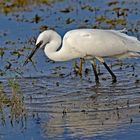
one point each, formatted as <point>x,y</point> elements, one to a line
<point>97,81</point>
<point>77,70</point>
<point>114,79</point>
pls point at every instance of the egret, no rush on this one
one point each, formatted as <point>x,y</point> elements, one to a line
<point>91,44</point>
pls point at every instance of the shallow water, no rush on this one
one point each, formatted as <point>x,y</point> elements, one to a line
<point>84,111</point>
<point>59,104</point>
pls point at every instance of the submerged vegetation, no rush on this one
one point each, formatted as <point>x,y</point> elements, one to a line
<point>13,102</point>
<point>8,6</point>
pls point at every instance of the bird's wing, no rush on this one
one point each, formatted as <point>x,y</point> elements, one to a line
<point>123,30</point>
<point>121,34</point>
<point>78,41</point>
<point>87,42</point>
<point>132,43</point>
<point>97,42</point>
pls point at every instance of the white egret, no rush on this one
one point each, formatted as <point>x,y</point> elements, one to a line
<point>89,44</point>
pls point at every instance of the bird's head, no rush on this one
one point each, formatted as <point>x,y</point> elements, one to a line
<point>41,41</point>
<point>43,38</point>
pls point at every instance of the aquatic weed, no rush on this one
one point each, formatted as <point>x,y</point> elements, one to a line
<point>13,105</point>
<point>16,101</point>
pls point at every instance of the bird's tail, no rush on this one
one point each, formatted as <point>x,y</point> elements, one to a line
<point>134,46</point>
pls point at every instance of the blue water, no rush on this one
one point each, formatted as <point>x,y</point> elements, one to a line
<point>94,112</point>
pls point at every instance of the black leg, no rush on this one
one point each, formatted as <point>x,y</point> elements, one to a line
<point>112,74</point>
<point>95,71</point>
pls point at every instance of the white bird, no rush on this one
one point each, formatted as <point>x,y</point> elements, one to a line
<point>89,44</point>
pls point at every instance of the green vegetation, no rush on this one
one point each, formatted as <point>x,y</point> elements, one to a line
<point>13,103</point>
<point>8,6</point>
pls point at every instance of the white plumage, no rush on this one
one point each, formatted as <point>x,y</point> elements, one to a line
<point>89,44</point>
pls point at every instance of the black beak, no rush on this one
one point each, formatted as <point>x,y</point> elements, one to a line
<point>29,58</point>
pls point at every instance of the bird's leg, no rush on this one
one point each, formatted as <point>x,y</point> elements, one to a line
<point>81,66</point>
<point>110,71</point>
<point>114,79</point>
<point>78,68</point>
<point>93,63</point>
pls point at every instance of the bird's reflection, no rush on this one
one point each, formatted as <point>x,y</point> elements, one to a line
<point>103,111</point>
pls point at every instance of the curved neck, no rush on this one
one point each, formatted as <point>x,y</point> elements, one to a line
<point>52,47</point>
